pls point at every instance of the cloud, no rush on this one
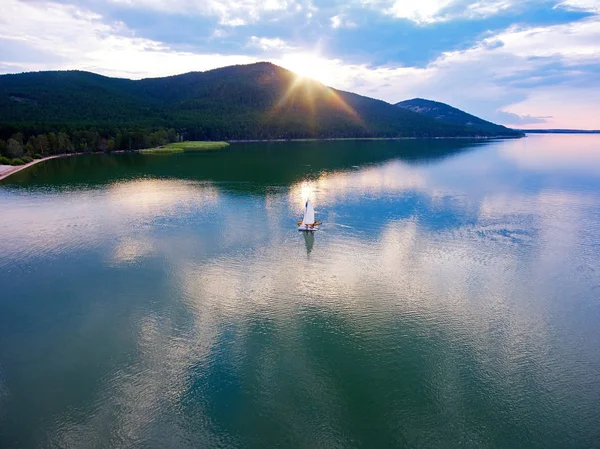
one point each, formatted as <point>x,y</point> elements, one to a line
<point>485,9</point>
<point>569,42</point>
<point>339,21</point>
<point>516,119</point>
<point>561,56</point>
<point>80,39</point>
<point>228,12</point>
<point>432,11</point>
<point>423,11</point>
<point>581,5</point>
<point>269,44</point>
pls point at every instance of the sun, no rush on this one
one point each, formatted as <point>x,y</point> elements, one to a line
<point>307,65</point>
<point>312,66</point>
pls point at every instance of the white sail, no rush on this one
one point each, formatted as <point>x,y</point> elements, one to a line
<point>309,214</point>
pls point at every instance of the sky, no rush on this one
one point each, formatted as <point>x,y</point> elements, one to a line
<point>521,63</point>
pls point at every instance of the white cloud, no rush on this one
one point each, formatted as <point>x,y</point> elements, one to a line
<point>80,39</point>
<point>581,5</point>
<point>244,12</point>
<point>425,11</point>
<point>336,21</point>
<point>269,44</point>
<point>571,42</point>
<point>430,11</point>
<point>495,69</point>
<point>487,8</point>
<point>229,12</point>
<point>340,22</point>
<point>422,11</point>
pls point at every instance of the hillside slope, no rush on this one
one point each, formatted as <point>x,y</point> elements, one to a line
<point>451,115</point>
<point>256,101</point>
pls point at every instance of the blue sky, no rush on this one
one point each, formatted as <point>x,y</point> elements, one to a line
<point>522,63</point>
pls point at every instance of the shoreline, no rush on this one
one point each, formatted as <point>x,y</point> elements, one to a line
<point>17,168</point>
<point>328,139</point>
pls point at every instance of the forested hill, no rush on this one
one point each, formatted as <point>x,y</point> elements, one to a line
<point>257,101</point>
<point>451,115</point>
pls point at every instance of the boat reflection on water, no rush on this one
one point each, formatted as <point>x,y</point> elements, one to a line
<point>309,241</point>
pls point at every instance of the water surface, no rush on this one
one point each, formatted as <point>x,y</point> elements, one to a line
<point>451,298</point>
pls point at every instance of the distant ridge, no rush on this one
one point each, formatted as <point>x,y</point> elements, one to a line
<point>255,101</point>
<point>449,114</point>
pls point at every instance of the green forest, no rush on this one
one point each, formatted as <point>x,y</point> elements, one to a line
<point>26,145</point>
<point>46,113</point>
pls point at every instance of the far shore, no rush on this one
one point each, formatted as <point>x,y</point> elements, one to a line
<point>320,139</point>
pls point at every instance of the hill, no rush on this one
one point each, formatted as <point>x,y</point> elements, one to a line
<point>451,115</point>
<point>256,101</point>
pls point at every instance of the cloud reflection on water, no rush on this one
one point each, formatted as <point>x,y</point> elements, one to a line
<point>463,268</point>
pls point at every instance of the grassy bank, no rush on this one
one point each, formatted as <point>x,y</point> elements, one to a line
<point>180,147</point>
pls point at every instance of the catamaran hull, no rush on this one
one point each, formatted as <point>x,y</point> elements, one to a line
<point>307,228</point>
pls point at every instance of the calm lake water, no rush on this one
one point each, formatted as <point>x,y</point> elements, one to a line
<point>451,298</point>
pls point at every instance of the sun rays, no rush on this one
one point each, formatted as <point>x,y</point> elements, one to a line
<point>307,90</point>
<point>341,103</point>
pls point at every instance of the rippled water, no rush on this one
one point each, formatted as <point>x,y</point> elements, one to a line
<point>451,298</point>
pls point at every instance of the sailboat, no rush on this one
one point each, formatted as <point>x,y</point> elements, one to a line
<point>308,222</point>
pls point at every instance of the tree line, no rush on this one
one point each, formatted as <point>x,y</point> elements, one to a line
<point>23,146</point>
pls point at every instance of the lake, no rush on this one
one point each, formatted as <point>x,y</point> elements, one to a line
<point>450,299</point>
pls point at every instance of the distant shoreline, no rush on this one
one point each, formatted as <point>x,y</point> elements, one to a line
<point>328,139</point>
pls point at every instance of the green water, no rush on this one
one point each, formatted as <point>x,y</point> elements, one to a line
<point>450,299</point>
